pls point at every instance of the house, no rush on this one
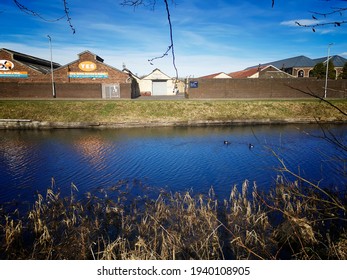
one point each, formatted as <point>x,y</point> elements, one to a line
<point>220,75</point>
<point>337,60</point>
<point>158,83</point>
<point>20,67</point>
<point>302,66</point>
<point>268,71</point>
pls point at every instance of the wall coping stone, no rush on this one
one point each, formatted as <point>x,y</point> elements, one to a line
<point>30,124</point>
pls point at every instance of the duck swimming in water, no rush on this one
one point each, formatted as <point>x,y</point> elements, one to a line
<point>226,142</point>
<point>250,146</point>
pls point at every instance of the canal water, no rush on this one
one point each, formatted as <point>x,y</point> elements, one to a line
<point>174,159</point>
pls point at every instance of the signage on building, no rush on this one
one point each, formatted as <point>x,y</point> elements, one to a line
<point>6,65</point>
<point>13,74</point>
<point>88,75</point>
<point>87,66</point>
<point>193,84</point>
<point>6,68</point>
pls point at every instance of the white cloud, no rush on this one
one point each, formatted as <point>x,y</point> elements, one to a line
<point>301,21</point>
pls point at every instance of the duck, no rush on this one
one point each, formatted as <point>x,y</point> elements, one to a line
<point>226,142</point>
<point>250,146</point>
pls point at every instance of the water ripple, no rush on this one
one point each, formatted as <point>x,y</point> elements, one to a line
<point>177,158</point>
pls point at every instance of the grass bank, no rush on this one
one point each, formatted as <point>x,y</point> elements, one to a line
<point>170,111</point>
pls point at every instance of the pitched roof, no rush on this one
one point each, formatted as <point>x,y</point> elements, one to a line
<point>98,58</point>
<point>250,72</point>
<point>245,73</point>
<point>216,75</point>
<point>38,64</point>
<point>304,61</point>
<point>337,60</point>
<point>156,74</point>
<point>297,61</point>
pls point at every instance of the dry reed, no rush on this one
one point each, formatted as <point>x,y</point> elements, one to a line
<point>289,222</point>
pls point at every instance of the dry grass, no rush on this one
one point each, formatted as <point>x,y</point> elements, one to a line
<point>170,111</point>
<point>290,222</point>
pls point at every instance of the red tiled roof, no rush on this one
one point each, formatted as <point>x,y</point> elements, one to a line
<point>245,73</point>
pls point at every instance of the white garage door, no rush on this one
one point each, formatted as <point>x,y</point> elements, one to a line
<point>159,87</point>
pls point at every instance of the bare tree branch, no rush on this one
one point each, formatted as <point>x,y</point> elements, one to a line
<point>28,11</point>
<point>171,38</point>
<point>67,14</point>
<point>316,15</point>
<point>334,11</point>
<point>152,3</point>
<point>31,12</point>
<point>314,26</point>
<point>136,3</point>
<point>312,94</point>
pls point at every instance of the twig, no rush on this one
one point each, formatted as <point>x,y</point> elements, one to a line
<point>31,12</point>
<point>285,169</point>
<point>320,98</point>
<point>171,46</point>
<point>68,18</point>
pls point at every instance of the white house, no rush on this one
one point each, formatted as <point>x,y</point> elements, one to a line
<point>157,83</point>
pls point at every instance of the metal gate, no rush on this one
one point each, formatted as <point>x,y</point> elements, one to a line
<point>110,91</point>
<point>159,87</point>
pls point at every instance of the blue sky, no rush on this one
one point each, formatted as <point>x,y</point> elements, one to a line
<point>209,36</point>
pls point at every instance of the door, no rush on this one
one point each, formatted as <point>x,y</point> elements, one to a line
<point>159,87</point>
<point>110,91</point>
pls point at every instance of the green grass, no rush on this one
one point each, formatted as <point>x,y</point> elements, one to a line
<point>169,111</point>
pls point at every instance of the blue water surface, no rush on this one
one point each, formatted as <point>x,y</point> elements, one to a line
<point>174,159</point>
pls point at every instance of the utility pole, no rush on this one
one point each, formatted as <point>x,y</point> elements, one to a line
<point>326,72</point>
<point>50,47</point>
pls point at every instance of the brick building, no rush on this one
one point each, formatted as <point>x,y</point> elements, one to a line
<point>302,66</point>
<point>19,67</point>
<point>24,76</point>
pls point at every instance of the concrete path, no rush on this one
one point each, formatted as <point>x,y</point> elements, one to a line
<point>179,96</point>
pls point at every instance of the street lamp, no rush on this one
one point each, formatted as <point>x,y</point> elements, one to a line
<point>326,72</point>
<point>50,47</point>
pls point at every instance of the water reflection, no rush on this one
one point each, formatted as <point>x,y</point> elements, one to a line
<point>15,154</point>
<point>174,158</point>
<point>93,148</point>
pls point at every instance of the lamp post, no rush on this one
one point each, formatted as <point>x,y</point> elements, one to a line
<point>326,72</point>
<point>50,47</point>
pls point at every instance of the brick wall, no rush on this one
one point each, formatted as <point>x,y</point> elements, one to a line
<point>266,88</point>
<point>78,90</point>
<point>126,91</point>
<point>9,90</point>
<point>67,90</point>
